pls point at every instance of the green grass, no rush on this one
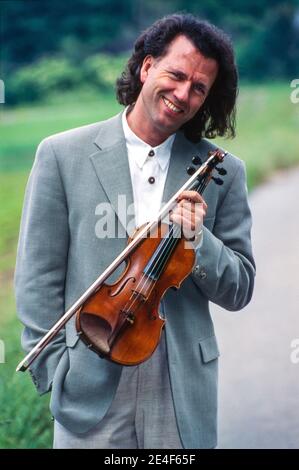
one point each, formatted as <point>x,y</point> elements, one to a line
<point>12,186</point>
<point>23,128</point>
<point>267,139</point>
<point>25,421</point>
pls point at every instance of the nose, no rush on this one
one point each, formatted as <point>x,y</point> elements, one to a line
<point>182,92</point>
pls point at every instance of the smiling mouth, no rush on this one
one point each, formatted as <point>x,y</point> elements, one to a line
<point>172,106</point>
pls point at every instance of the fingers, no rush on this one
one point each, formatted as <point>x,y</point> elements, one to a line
<point>193,202</point>
<point>185,207</point>
<point>192,219</point>
<point>189,215</point>
<point>191,196</point>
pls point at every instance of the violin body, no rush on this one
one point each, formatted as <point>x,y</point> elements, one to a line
<point>121,321</point>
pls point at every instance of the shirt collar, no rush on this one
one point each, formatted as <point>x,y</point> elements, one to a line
<point>162,151</point>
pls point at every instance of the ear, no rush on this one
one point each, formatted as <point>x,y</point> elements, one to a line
<point>146,65</point>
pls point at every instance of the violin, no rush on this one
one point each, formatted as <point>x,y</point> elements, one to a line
<point>121,321</point>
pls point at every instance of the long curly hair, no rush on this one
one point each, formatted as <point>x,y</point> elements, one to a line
<point>216,117</point>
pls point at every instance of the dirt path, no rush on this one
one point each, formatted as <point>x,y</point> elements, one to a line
<point>258,383</point>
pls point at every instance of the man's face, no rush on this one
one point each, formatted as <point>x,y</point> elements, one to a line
<point>175,86</point>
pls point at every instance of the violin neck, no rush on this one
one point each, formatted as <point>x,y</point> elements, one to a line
<point>159,258</point>
<point>200,184</point>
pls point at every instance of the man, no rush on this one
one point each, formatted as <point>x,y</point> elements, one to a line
<point>179,86</point>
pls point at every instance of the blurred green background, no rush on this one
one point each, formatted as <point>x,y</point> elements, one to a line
<point>59,62</point>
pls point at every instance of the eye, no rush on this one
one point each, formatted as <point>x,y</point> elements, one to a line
<point>175,75</point>
<point>199,89</point>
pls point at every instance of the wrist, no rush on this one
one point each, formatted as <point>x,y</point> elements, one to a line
<point>196,238</point>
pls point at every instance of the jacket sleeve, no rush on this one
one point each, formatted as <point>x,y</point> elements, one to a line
<point>42,262</point>
<point>225,267</point>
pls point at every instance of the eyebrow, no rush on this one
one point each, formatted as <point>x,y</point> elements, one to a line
<point>182,75</point>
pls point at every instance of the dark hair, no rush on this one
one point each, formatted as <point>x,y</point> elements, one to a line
<point>217,115</point>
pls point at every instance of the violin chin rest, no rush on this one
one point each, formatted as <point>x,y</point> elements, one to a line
<point>95,330</point>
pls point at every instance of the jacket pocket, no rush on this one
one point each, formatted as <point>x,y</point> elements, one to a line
<point>209,348</point>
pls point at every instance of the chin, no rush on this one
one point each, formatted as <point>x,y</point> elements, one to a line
<point>167,130</point>
<point>167,125</point>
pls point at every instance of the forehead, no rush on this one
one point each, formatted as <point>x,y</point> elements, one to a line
<point>182,53</point>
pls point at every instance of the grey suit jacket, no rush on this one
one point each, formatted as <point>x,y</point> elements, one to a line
<point>59,257</point>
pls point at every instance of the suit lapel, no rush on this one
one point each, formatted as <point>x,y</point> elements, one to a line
<point>111,165</point>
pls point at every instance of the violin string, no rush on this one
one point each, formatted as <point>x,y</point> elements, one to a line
<point>165,247</point>
<point>162,248</point>
<point>147,281</point>
<point>172,237</point>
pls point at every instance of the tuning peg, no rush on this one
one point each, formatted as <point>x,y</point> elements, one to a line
<point>190,170</point>
<point>196,160</point>
<point>221,171</point>
<point>217,180</point>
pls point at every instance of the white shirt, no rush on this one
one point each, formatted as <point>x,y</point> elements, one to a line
<point>148,173</point>
<point>148,169</point>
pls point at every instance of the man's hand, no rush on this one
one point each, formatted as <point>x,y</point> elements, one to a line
<point>189,212</point>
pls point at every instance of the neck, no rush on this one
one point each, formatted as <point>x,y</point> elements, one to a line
<point>148,133</point>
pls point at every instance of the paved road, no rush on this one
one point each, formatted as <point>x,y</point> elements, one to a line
<point>258,383</point>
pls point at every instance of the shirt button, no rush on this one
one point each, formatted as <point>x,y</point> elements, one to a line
<point>151,180</point>
<point>151,153</point>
